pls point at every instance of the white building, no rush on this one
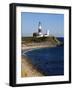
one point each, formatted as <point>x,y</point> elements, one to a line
<point>47,33</point>
<point>39,33</point>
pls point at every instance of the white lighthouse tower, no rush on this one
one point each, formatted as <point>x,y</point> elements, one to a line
<point>39,27</point>
<point>40,30</point>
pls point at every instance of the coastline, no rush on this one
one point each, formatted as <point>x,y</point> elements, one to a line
<point>27,48</point>
<point>27,68</point>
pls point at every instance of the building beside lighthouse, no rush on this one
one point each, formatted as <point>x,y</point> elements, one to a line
<point>47,33</point>
<point>39,33</point>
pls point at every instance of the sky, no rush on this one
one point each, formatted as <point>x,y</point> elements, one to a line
<point>52,22</point>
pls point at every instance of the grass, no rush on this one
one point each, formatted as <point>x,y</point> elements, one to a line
<point>51,39</point>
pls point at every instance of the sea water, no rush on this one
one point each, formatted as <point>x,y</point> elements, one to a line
<point>49,61</point>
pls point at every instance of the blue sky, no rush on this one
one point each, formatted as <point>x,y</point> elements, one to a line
<point>52,22</point>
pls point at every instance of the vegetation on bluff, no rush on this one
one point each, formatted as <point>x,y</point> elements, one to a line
<point>53,40</point>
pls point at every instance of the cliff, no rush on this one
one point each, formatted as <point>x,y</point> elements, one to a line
<point>42,40</point>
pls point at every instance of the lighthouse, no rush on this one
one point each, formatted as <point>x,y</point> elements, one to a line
<point>40,30</point>
<point>39,27</point>
<point>39,33</point>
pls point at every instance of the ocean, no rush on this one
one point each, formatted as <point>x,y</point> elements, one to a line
<point>49,61</point>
